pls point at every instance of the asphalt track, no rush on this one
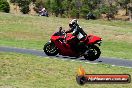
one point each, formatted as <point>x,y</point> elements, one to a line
<point>111,61</point>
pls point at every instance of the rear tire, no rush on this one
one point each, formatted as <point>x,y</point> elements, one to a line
<point>93,53</point>
<point>50,49</point>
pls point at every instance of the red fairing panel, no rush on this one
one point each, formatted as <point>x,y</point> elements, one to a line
<point>64,49</point>
<point>93,39</point>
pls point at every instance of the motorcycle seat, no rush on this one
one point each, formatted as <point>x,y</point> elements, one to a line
<point>84,39</point>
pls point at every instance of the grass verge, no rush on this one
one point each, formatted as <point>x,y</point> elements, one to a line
<point>27,71</point>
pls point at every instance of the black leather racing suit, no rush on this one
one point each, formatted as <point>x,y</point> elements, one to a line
<point>76,30</point>
<point>79,34</point>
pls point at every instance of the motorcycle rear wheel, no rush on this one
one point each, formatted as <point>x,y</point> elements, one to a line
<point>93,53</point>
<point>50,49</point>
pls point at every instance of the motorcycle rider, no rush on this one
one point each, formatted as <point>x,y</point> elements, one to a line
<point>77,32</point>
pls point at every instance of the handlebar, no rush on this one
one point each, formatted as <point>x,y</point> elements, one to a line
<point>65,35</point>
<point>63,32</point>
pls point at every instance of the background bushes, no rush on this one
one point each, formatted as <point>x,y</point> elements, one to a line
<point>76,8</point>
<point>4,6</point>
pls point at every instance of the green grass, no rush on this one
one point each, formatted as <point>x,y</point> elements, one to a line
<point>28,71</point>
<point>115,23</point>
<point>29,44</point>
<point>117,49</point>
<point>32,32</point>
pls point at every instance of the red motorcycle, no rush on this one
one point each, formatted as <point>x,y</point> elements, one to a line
<point>60,44</point>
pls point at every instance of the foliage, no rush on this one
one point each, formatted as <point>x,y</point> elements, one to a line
<point>39,4</point>
<point>4,6</point>
<point>97,13</point>
<point>23,4</point>
<point>25,9</point>
<point>74,13</point>
<point>84,11</point>
<point>123,3</point>
<point>107,9</point>
<point>48,5</point>
<point>73,7</point>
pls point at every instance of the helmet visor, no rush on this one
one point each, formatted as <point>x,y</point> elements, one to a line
<point>70,25</point>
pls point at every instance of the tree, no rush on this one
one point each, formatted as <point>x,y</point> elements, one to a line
<point>127,5</point>
<point>124,4</point>
<point>130,11</point>
<point>23,4</point>
<point>48,4</point>
<point>4,6</point>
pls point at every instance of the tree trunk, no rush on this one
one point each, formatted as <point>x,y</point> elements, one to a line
<point>130,15</point>
<point>126,10</point>
<point>130,11</point>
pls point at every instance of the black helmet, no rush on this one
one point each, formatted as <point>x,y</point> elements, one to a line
<point>73,23</point>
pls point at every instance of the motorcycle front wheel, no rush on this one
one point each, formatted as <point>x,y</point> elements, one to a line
<point>92,53</point>
<point>50,49</point>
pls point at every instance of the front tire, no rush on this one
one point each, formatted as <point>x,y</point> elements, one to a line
<point>93,53</point>
<point>50,49</point>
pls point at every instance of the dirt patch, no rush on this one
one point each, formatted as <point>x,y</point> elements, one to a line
<point>120,17</point>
